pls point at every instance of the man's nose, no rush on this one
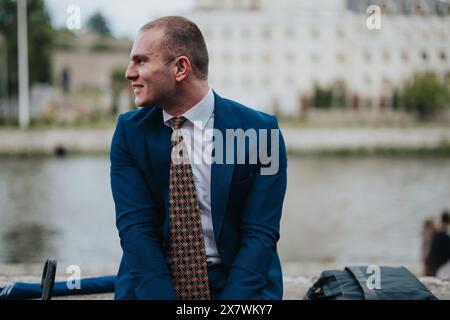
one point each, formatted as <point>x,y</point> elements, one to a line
<point>131,73</point>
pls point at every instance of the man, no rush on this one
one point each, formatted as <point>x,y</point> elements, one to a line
<point>429,228</point>
<point>193,229</point>
<point>439,252</point>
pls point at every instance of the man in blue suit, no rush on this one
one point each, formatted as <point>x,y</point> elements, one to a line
<point>240,186</point>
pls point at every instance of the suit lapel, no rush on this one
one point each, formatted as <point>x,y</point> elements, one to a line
<point>221,173</point>
<point>158,144</point>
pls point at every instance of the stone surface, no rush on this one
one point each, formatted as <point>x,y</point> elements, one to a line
<point>298,277</point>
<point>295,287</point>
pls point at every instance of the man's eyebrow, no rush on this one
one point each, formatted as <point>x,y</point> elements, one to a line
<point>136,57</point>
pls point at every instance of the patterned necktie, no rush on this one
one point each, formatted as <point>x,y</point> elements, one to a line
<point>186,242</point>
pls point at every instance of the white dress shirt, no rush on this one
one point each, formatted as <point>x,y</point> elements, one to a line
<point>197,134</point>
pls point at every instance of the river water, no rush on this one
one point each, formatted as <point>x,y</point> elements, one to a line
<point>337,209</point>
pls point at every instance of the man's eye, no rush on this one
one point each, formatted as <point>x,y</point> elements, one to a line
<point>140,61</point>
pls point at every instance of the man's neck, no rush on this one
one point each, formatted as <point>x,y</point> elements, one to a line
<point>187,100</point>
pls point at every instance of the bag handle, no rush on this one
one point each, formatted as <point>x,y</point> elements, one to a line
<point>48,279</point>
<point>369,294</point>
<point>316,292</point>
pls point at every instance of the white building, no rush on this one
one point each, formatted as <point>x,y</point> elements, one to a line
<point>271,54</point>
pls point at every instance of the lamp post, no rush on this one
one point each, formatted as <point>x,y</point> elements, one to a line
<point>22,41</point>
<point>3,70</point>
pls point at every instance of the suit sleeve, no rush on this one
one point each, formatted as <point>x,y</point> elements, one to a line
<point>138,224</point>
<point>260,224</point>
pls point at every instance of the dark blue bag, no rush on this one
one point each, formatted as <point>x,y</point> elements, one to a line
<point>353,283</point>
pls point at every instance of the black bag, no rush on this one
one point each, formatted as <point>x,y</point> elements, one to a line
<point>352,284</point>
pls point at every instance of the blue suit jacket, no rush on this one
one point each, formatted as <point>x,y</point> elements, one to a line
<point>245,207</point>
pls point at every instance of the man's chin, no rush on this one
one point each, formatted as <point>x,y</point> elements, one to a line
<point>141,103</point>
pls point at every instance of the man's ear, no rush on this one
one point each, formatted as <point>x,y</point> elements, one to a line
<point>183,66</point>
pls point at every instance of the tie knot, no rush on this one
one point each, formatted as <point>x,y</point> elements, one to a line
<point>177,122</point>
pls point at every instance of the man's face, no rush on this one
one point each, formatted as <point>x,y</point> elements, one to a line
<point>152,78</point>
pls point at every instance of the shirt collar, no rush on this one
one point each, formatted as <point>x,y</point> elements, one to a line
<point>198,114</point>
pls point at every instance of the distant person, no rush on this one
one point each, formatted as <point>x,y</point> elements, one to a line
<point>429,228</point>
<point>65,80</point>
<point>439,252</point>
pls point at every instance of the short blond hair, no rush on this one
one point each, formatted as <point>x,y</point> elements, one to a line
<point>182,37</point>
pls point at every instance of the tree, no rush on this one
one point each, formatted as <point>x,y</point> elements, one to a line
<point>98,24</point>
<point>426,95</point>
<point>40,41</point>
<point>322,97</point>
<point>396,99</point>
<point>339,94</point>
<point>118,82</point>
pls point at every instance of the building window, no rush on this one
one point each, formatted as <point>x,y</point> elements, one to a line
<point>340,34</point>
<point>386,82</point>
<point>443,56</point>
<point>405,56</point>
<point>290,57</point>
<point>420,8</point>
<point>266,57</point>
<point>315,58</point>
<point>425,35</point>
<point>246,33</point>
<point>424,55</point>
<point>290,33</point>
<point>266,80</point>
<point>289,80</point>
<point>407,36</point>
<point>387,7</point>
<point>315,34</point>
<point>266,34</point>
<point>246,58</point>
<point>386,56</point>
<point>255,5</point>
<point>340,57</point>
<point>367,56</point>
<point>237,4</point>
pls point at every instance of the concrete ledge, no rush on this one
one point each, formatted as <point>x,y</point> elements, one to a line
<point>45,141</point>
<point>294,287</point>
<point>298,277</point>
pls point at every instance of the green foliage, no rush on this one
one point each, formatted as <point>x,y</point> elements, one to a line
<point>118,82</point>
<point>331,96</point>
<point>339,91</point>
<point>64,39</point>
<point>396,99</point>
<point>40,41</point>
<point>322,97</point>
<point>98,24</point>
<point>426,95</point>
<point>118,76</point>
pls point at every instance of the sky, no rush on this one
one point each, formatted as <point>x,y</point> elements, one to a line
<point>125,16</point>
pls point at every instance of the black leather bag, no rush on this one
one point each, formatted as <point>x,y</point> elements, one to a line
<point>353,283</point>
